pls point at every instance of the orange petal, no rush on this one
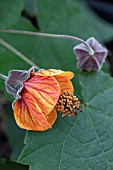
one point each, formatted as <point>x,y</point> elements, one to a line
<point>50,72</point>
<point>65,83</point>
<point>52,117</point>
<point>69,75</point>
<point>30,118</point>
<point>54,72</point>
<point>45,91</point>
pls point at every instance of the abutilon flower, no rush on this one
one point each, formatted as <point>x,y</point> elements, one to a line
<point>39,95</point>
<point>90,62</point>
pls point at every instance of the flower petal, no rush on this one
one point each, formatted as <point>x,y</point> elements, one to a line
<point>52,117</point>
<point>65,83</point>
<point>45,91</point>
<point>50,72</point>
<point>54,72</point>
<point>62,77</point>
<point>68,74</point>
<point>29,117</point>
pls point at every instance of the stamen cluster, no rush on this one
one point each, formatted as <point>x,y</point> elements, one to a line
<point>67,103</point>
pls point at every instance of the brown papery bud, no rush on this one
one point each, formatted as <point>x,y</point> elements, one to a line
<point>87,61</point>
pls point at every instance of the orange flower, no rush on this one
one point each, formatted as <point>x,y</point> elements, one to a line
<point>39,95</point>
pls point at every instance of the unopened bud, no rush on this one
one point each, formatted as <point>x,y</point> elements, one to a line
<point>87,61</point>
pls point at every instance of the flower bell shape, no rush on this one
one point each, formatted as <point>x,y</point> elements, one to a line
<point>87,61</point>
<point>39,95</point>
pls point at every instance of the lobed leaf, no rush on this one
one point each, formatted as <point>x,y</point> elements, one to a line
<point>83,142</point>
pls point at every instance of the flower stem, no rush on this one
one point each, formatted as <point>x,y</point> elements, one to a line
<point>14,50</point>
<point>91,52</point>
<point>3,76</point>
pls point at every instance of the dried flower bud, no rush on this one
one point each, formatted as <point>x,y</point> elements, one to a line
<point>90,62</point>
<point>15,79</point>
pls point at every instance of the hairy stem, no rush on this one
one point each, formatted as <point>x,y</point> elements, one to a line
<point>91,52</point>
<point>19,54</point>
<point>3,76</point>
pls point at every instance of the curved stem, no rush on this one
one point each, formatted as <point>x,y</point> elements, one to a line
<point>3,76</point>
<point>14,50</point>
<point>91,52</point>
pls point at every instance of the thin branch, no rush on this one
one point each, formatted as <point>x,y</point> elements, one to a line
<point>19,54</point>
<point>91,52</point>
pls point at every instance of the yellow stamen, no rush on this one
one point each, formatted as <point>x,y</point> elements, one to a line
<point>67,103</point>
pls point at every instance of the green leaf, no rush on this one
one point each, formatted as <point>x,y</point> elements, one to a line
<point>72,17</point>
<point>83,142</point>
<point>10,11</point>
